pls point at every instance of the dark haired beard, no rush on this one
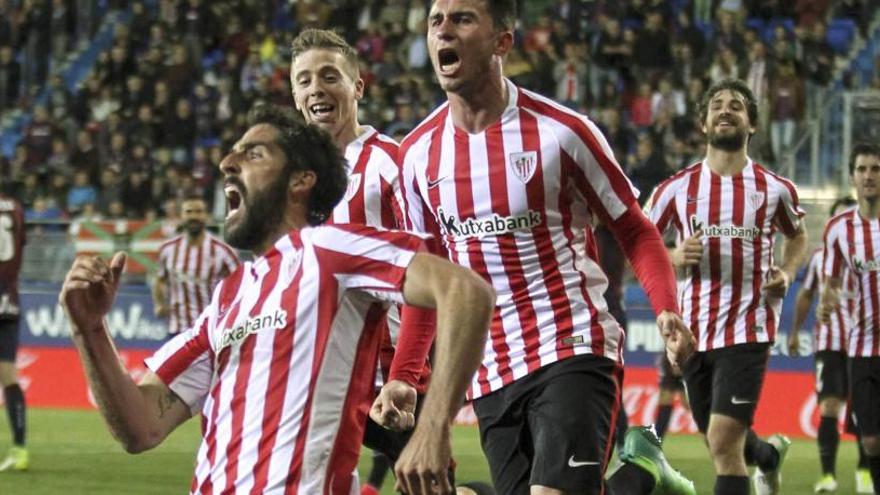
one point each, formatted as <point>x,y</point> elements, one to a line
<point>194,227</point>
<point>731,142</point>
<point>263,213</point>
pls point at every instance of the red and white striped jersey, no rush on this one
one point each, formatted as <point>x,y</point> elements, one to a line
<point>721,298</point>
<point>192,270</point>
<point>853,243</point>
<point>513,203</point>
<point>12,241</point>
<point>373,194</point>
<point>282,360</point>
<point>831,337</point>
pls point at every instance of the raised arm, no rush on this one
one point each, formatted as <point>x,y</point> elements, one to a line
<point>138,416</point>
<point>464,304</point>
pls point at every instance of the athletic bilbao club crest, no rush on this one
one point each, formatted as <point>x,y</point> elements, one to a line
<point>354,184</point>
<point>756,199</point>
<point>524,164</point>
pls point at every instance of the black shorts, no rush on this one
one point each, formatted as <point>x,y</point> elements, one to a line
<point>8,340</point>
<point>864,379</point>
<point>831,374</point>
<point>553,427</point>
<point>667,378</point>
<point>726,381</point>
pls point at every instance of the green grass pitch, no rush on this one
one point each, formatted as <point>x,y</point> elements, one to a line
<point>73,454</point>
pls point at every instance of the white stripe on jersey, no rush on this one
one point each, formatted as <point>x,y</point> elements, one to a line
<point>282,358</point>
<point>512,203</point>
<point>831,337</point>
<point>721,298</point>
<point>852,242</point>
<point>192,271</point>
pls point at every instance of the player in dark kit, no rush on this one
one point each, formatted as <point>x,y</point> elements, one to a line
<point>12,240</point>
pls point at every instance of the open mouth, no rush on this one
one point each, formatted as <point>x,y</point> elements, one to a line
<point>448,61</point>
<point>233,198</point>
<point>321,110</point>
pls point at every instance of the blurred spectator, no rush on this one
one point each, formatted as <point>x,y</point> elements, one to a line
<point>10,78</point>
<point>757,79</point>
<point>817,59</point>
<point>29,190</point>
<point>647,167</point>
<point>621,139</point>
<point>116,211</point>
<point>81,192</point>
<point>786,108</point>
<point>667,99</point>
<point>640,107</point>
<point>42,210</point>
<point>727,34</point>
<point>110,190</point>
<point>35,33</point>
<point>652,51</point>
<point>58,162</point>
<point>611,55</point>
<point>180,130</point>
<point>691,35</point>
<point>85,155</point>
<point>724,66</point>
<point>570,74</point>
<point>57,191</point>
<point>37,137</point>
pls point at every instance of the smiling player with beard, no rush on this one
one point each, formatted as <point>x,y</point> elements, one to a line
<point>724,212</point>
<point>190,265</point>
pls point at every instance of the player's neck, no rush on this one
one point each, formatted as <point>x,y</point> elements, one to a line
<point>724,162</point>
<point>295,218</point>
<point>347,135</point>
<point>474,111</point>
<point>869,208</point>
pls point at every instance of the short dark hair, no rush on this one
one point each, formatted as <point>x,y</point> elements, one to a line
<point>307,147</point>
<point>843,202</point>
<point>193,195</point>
<point>731,84</point>
<point>860,149</point>
<point>503,13</point>
<point>324,39</point>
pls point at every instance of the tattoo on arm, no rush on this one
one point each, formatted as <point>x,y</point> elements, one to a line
<point>166,402</point>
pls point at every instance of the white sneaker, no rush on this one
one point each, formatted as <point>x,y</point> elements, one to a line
<point>826,485</point>
<point>769,483</point>
<point>863,481</point>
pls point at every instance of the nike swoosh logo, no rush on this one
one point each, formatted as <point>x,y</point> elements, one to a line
<point>434,183</point>
<point>574,464</point>
<point>737,401</point>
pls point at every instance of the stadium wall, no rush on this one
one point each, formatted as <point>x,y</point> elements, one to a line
<point>52,376</point>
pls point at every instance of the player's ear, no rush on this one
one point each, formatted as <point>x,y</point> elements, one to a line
<point>358,89</point>
<point>504,43</point>
<point>301,182</point>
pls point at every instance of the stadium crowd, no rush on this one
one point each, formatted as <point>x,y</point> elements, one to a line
<point>152,120</point>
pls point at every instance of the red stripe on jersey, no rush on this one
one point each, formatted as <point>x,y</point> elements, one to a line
<point>562,313</point>
<point>507,243</point>
<point>612,171</point>
<point>212,273</point>
<point>276,388</point>
<point>431,125</point>
<point>714,260</point>
<point>570,171</point>
<point>243,373</point>
<point>344,454</point>
<point>185,356</point>
<point>736,264</point>
<point>851,306</point>
<point>757,247</point>
<point>851,243</point>
<point>693,193</point>
<point>465,202</point>
<point>176,285</point>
